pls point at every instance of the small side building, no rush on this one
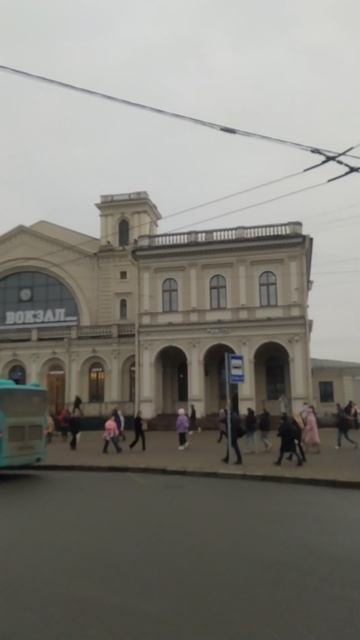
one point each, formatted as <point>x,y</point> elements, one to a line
<point>334,381</point>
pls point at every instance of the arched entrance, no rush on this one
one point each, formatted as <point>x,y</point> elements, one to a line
<point>171,380</point>
<point>17,373</point>
<point>215,381</point>
<point>272,378</point>
<point>55,382</point>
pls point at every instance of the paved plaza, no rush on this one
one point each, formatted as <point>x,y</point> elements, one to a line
<point>204,455</point>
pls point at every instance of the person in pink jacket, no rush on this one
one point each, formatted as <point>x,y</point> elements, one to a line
<point>111,434</point>
<point>182,427</point>
<point>312,438</point>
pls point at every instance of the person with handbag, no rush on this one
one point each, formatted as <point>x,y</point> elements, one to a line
<point>111,434</point>
<point>182,428</point>
<point>139,432</point>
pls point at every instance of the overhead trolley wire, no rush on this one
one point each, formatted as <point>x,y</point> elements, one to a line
<point>173,114</point>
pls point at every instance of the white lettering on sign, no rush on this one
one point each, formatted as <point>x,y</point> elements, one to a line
<point>37,316</point>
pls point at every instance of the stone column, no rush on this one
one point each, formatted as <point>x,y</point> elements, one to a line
<point>196,379</point>
<point>246,390</point>
<point>298,373</point>
<point>147,382</point>
<point>72,386</point>
<point>34,373</point>
<point>114,394</point>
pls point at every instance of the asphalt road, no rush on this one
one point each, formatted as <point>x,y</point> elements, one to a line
<point>128,556</point>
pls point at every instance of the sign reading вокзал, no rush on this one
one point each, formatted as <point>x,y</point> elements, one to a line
<point>38,316</point>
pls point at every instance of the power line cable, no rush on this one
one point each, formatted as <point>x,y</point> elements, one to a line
<point>173,114</point>
<point>134,227</point>
<point>252,206</point>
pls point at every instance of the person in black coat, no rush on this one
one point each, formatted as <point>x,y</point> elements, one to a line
<point>287,433</point>
<point>250,428</point>
<point>235,432</point>
<point>343,424</point>
<point>139,431</point>
<point>264,422</point>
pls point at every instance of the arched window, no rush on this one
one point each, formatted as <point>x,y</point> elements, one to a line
<point>218,292</point>
<point>17,373</point>
<point>96,382</point>
<point>123,233</point>
<point>275,378</point>
<point>170,295</point>
<point>123,309</point>
<point>268,289</point>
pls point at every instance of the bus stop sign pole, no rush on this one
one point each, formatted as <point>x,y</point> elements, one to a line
<point>234,374</point>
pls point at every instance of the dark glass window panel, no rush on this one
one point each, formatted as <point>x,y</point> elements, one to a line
<point>25,279</point>
<point>218,292</point>
<point>170,295</point>
<point>268,289</point>
<point>123,233</point>
<point>96,383</point>
<point>275,378</point>
<point>17,373</point>
<point>326,391</point>
<point>47,293</point>
<point>123,309</point>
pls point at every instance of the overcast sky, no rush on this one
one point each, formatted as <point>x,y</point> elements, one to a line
<point>282,68</point>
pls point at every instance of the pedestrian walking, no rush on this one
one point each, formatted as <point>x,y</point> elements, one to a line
<point>356,417</point>
<point>222,424</point>
<point>139,431</point>
<point>299,427</point>
<point>311,435</point>
<point>304,412</point>
<point>264,422</point>
<point>287,434</point>
<point>192,425</point>
<point>182,428</point>
<point>121,425</point>
<point>250,429</point>
<point>75,424</point>
<point>236,432</point>
<point>64,418</point>
<point>343,427</point>
<point>77,405</point>
<point>50,429</point>
<point>111,434</point>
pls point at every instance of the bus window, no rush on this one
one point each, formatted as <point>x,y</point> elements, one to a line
<point>15,403</point>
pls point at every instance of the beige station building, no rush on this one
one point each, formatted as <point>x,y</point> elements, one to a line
<point>142,320</point>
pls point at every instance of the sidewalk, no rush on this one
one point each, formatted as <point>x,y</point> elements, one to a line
<point>203,457</point>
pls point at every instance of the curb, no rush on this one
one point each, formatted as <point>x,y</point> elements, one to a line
<point>320,482</point>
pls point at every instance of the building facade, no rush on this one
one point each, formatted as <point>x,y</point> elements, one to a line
<point>143,320</point>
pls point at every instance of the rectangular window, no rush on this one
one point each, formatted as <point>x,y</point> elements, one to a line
<point>326,391</point>
<point>123,275</point>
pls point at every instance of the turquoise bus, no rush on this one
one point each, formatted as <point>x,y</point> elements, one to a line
<point>23,424</point>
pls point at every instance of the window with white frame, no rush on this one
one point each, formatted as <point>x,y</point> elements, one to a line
<point>170,297</point>
<point>268,289</point>
<point>217,292</point>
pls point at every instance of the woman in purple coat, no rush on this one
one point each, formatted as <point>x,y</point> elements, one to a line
<point>182,427</point>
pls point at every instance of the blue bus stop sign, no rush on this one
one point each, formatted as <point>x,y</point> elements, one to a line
<point>236,369</point>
